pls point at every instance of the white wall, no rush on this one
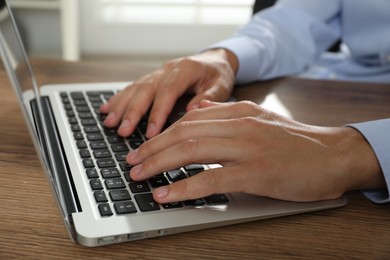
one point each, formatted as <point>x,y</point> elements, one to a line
<point>41,31</point>
<point>98,38</point>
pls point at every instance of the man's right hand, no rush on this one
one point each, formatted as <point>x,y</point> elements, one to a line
<point>209,75</point>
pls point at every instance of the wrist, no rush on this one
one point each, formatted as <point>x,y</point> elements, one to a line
<point>362,167</point>
<point>226,55</point>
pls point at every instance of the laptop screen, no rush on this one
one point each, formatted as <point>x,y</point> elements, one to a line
<point>23,81</point>
<point>16,61</point>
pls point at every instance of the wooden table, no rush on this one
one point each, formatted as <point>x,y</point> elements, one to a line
<point>31,226</point>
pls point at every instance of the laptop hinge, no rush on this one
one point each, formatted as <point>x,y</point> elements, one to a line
<point>58,168</point>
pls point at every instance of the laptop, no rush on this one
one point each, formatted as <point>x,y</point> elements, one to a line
<point>85,166</point>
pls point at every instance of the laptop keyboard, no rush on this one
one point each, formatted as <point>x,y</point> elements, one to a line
<point>103,154</point>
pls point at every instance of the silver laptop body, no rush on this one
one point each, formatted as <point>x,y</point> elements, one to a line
<point>47,119</point>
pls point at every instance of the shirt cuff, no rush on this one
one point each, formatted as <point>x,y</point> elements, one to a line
<point>249,58</point>
<point>377,133</point>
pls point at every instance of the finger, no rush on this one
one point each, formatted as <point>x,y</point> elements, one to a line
<point>230,110</point>
<point>182,132</point>
<point>169,90</point>
<point>209,103</point>
<point>214,181</point>
<point>201,150</point>
<point>215,93</point>
<point>116,106</point>
<point>137,106</point>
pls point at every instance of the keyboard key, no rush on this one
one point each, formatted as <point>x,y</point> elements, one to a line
<point>146,202</point>
<point>194,203</point>
<point>98,145</point>
<point>142,125</point>
<point>70,113</point>
<point>68,106</point>
<point>88,121</point>
<point>81,144</point>
<point>95,137</point>
<point>115,139</point>
<point>78,136</point>
<point>106,162</point>
<point>107,96</point>
<point>77,95</point>
<point>121,157</point>
<point>75,128</point>
<point>125,207</point>
<point>217,199</point>
<point>193,169</point>
<point>100,196</point>
<point>127,176</point>
<point>134,136</point>
<point>139,187</point>
<point>173,205</point>
<point>81,102</point>
<point>84,153</point>
<point>176,175</point>
<point>85,115</point>
<point>96,184</point>
<point>134,144</point>
<point>105,210</point>
<point>65,98</point>
<point>92,173</point>
<point>116,183</point>
<point>88,163</point>
<point>97,105</point>
<point>119,195</point>
<point>82,109</point>
<point>72,120</point>
<point>101,117</point>
<point>102,153</point>
<point>110,173</point>
<point>125,166</point>
<point>91,129</point>
<point>95,93</point>
<point>158,181</point>
<point>110,131</point>
<point>119,147</point>
<point>95,99</point>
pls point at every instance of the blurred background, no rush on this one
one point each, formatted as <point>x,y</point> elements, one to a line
<point>140,31</point>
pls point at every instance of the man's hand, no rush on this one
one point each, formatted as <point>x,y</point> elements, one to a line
<point>210,75</point>
<point>261,152</point>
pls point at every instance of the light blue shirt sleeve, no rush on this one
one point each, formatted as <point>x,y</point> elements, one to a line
<point>285,39</point>
<point>377,133</point>
<point>292,36</point>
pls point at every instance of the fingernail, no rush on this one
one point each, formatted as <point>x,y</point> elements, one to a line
<point>125,124</point>
<point>136,170</point>
<point>151,129</point>
<point>194,107</point>
<point>161,192</point>
<point>131,156</point>
<point>104,106</point>
<point>111,116</point>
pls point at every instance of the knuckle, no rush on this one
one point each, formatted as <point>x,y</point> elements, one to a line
<point>180,129</point>
<point>190,115</point>
<point>248,121</point>
<point>248,106</point>
<point>191,146</point>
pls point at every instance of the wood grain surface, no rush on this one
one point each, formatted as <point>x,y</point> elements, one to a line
<point>31,226</point>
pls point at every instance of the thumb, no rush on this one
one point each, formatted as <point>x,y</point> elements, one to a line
<point>210,95</point>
